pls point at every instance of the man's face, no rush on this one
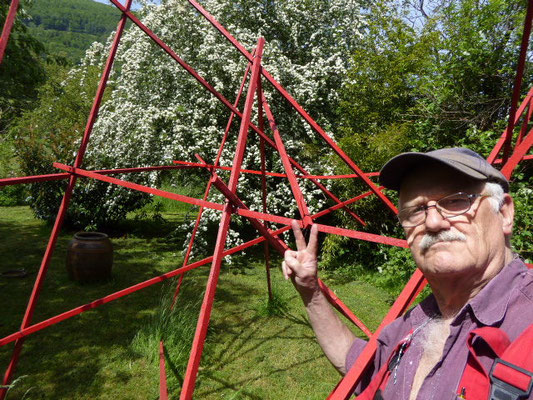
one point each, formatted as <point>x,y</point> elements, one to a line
<point>479,233</point>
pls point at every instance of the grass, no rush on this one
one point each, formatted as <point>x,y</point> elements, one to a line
<point>255,349</point>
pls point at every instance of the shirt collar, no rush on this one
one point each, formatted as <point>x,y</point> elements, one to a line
<point>490,304</point>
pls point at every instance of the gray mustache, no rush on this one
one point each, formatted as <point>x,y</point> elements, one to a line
<point>430,239</point>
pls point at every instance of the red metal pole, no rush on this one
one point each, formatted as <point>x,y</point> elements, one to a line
<point>205,312</point>
<point>295,188</point>
<point>525,123</point>
<point>261,123</point>
<point>273,174</point>
<point>208,187</point>
<point>64,206</point>
<point>517,155</point>
<point>6,30</point>
<point>345,388</point>
<point>518,81</point>
<point>163,389</point>
<point>496,150</point>
<point>281,247</point>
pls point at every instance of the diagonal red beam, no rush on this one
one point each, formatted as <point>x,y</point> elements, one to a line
<point>8,25</point>
<point>54,177</point>
<point>274,174</point>
<point>497,148</point>
<point>191,373</point>
<point>296,106</point>
<point>281,247</point>
<point>334,300</point>
<point>518,155</point>
<point>518,81</point>
<point>261,123</point>
<point>346,386</point>
<point>163,389</point>
<point>369,237</point>
<point>121,293</point>
<point>208,187</point>
<point>499,160</point>
<point>295,188</point>
<point>26,321</point>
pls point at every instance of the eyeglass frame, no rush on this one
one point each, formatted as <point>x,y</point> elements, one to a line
<point>471,198</point>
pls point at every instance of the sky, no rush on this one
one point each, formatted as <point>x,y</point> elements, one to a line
<point>135,6</point>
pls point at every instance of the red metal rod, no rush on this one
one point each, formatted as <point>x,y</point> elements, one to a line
<point>318,184</point>
<point>261,123</point>
<point>275,174</point>
<point>191,373</point>
<point>525,123</point>
<point>525,158</point>
<point>497,148</point>
<point>56,177</point>
<point>342,308</point>
<point>8,25</point>
<point>518,155</point>
<point>163,389</point>
<point>518,81</point>
<point>33,179</point>
<point>295,188</point>
<point>208,187</point>
<point>64,205</point>
<point>296,106</point>
<point>121,293</point>
<point>141,188</point>
<point>346,386</point>
<point>369,237</point>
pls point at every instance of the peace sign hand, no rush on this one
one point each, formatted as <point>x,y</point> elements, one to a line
<point>301,265</point>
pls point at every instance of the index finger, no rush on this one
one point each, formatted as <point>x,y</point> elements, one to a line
<point>298,236</point>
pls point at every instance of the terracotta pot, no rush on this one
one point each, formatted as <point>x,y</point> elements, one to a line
<point>89,257</point>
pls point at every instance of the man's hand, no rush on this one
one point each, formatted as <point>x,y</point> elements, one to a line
<point>301,265</point>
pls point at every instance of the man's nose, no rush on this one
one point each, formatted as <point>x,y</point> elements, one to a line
<point>435,222</point>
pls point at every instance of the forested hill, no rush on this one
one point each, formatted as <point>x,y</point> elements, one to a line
<point>68,27</point>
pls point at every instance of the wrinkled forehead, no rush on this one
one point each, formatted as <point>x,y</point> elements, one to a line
<point>433,181</point>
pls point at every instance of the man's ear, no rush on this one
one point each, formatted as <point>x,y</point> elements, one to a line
<point>507,213</point>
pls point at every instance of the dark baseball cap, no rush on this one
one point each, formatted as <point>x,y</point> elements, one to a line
<point>464,161</point>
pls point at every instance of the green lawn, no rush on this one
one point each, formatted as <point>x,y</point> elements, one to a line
<point>111,352</point>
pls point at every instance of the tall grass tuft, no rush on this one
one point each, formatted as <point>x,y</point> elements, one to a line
<point>175,327</point>
<point>277,306</point>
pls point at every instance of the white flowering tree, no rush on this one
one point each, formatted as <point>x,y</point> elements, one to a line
<point>157,113</point>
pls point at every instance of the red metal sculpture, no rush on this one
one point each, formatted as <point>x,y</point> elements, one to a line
<point>259,220</point>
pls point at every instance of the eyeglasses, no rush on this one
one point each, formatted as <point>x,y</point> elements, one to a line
<point>448,207</point>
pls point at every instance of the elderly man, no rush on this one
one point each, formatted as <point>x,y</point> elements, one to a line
<point>458,218</point>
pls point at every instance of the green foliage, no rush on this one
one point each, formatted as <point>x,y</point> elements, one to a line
<point>69,27</point>
<point>522,239</point>
<point>442,81</point>
<point>51,133</point>
<point>21,70</point>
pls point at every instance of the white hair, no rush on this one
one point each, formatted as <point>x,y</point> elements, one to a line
<point>496,198</point>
